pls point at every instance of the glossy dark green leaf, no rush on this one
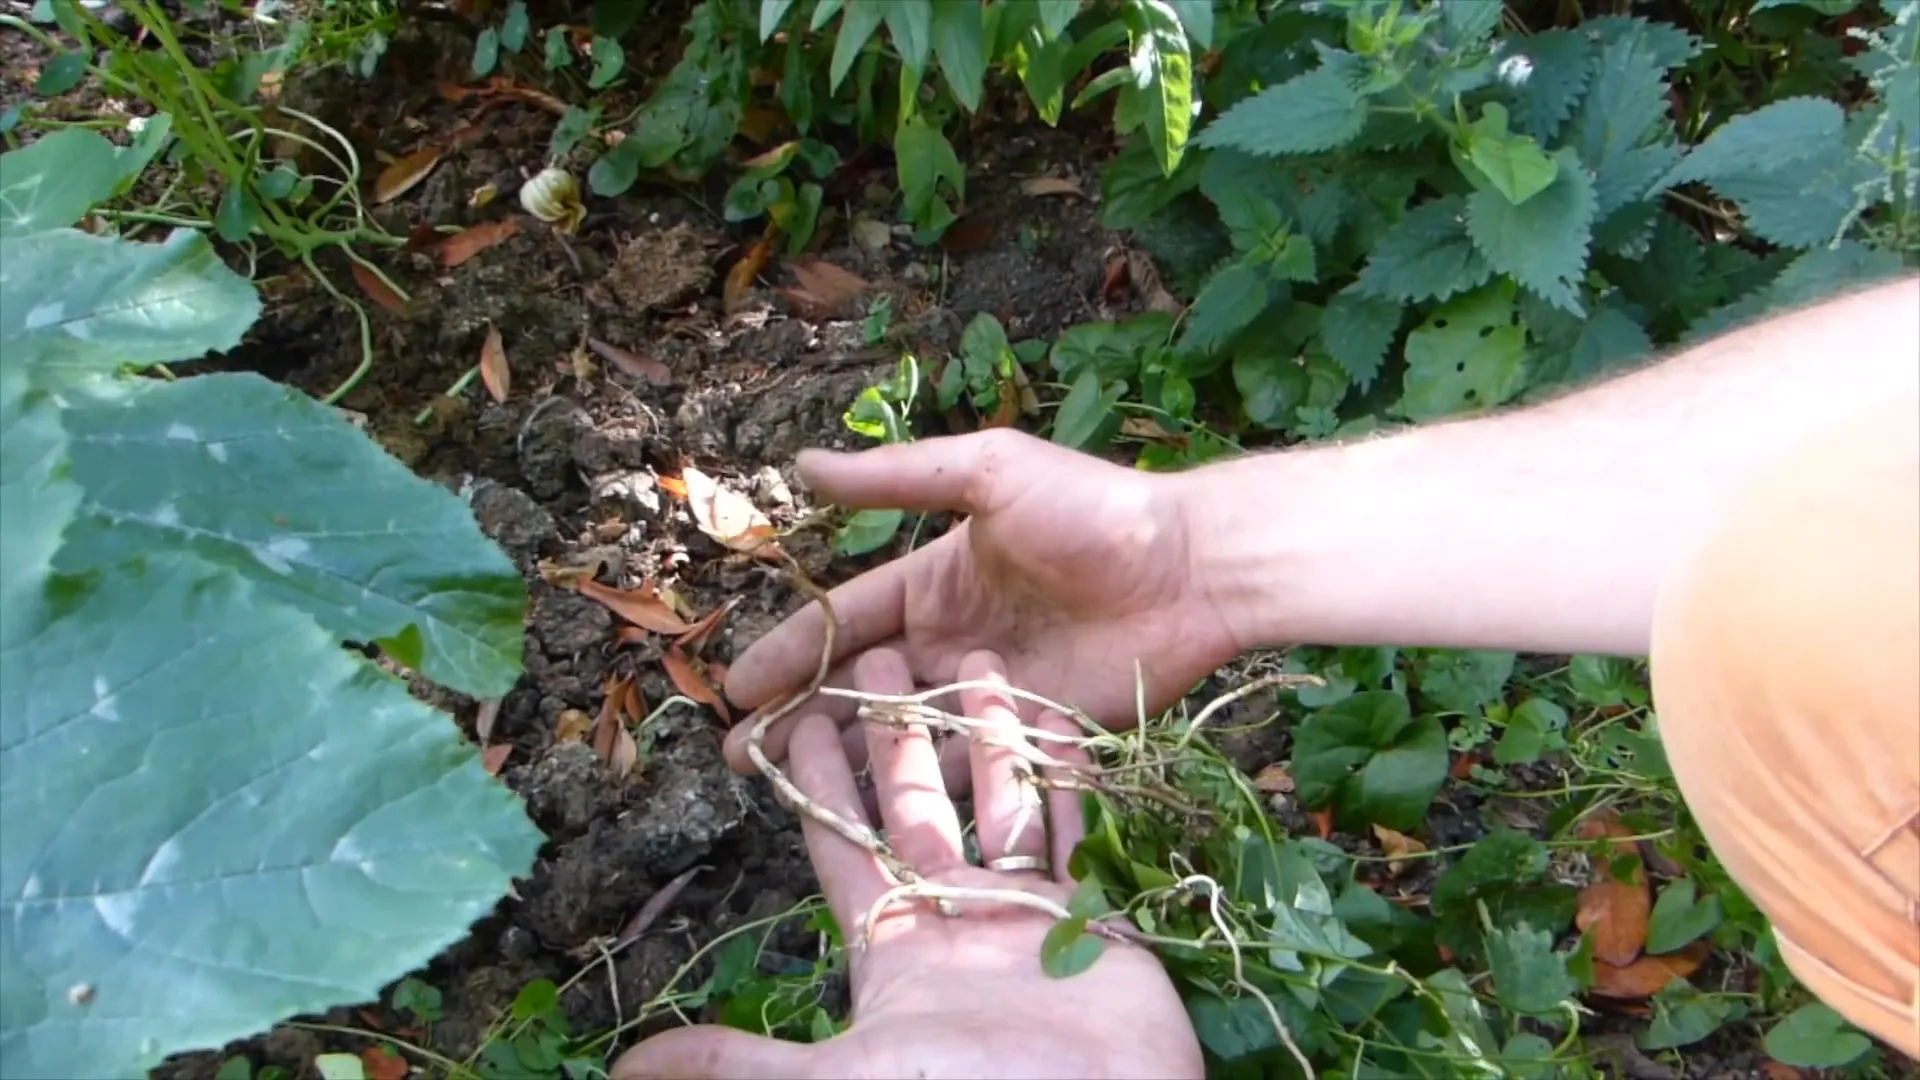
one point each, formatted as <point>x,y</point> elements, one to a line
<point>1680,916</point>
<point>866,531</point>
<point>1372,759</point>
<point>1069,949</point>
<point>959,43</point>
<point>1085,408</point>
<point>53,181</point>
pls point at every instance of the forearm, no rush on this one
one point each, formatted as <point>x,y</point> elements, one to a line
<point>1545,529</point>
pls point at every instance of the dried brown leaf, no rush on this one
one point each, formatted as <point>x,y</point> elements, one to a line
<point>740,279</point>
<point>539,99</point>
<point>641,607</point>
<point>640,367</point>
<point>483,719</point>
<point>494,758</point>
<point>377,290</point>
<point>380,1063</point>
<point>829,285</point>
<point>466,135</point>
<point>467,243</point>
<point>400,177</point>
<point>626,753</point>
<point>691,681</point>
<point>656,906</point>
<point>1275,779</point>
<point>1146,284</point>
<point>966,237</point>
<point>572,725</point>
<point>493,365</point>
<point>1397,846</point>
<point>1615,912</point>
<point>724,514</point>
<point>699,633</point>
<point>1146,427</point>
<point>1052,185</point>
<point>583,566</point>
<point>607,722</point>
<point>1648,975</point>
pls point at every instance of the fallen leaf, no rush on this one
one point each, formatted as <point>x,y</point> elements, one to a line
<point>717,673</point>
<point>966,237</point>
<point>632,705</point>
<point>724,514</point>
<point>467,243</point>
<point>1052,185</point>
<point>377,290</point>
<point>610,530</point>
<point>1396,845</point>
<point>642,607</point>
<point>626,753</point>
<point>740,279</point>
<point>1780,1070</point>
<point>828,285</point>
<point>650,912</point>
<point>493,365</point>
<point>871,235</point>
<point>1462,766</point>
<point>455,92</point>
<point>483,195</point>
<point>640,367</point>
<point>1275,779</point>
<point>1615,912</point>
<point>371,1019</point>
<point>423,237</point>
<point>1323,822</point>
<point>696,636</point>
<point>381,1063</point>
<point>579,567</point>
<point>1648,975</point>
<point>466,135</point>
<point>399,178</point>
<point>572,725</point>
<point>1146,283</point>
<point>769,157</point>
<point>539,99</point>
<point>1146,427</point>
<point>691,682</point>
<point>484,718</point>
<point>607,720</point>
<point>494,758</point>
<point>1113,284</point>
<point>673,486</point>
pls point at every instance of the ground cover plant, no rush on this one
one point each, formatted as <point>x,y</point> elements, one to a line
<point>587,275</point>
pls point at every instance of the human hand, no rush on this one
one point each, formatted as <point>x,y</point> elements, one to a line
<point>1072,568</point>
<point>940,996</point>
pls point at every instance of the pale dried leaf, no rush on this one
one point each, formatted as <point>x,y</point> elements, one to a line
<point>691,681</point>
<point>467,243</point>
<point>493,365</point>
<point>656,906</point>
<point>626,753</point>
<point>1397,846</point>
<point>494,758</point>
<point>829,286</point>
<point>1052,185</point>
<point>724,514</point>
<point>640,367</point>
<point>872,235</point>
<point>483,720</point>
<point>572,725</point>
<point>1275,779</point>
<point>575,568</point>
<point>400,177</point>
<point>1146,282</point>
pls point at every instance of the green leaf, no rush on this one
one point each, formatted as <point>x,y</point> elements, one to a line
<point>910,22</point>
<point>1513,165</point>
<point>1085,408</point>
<point>557,54</point>
<point>1532,728</point>
<point>1528,1057</point>
<point>927,164</point>
<point>419,998</point>
<point>1305,115</point>
<point>540,998</point>
<point>1803,204</point>
<point>1357,330</point>
<point>616,170</point>
<point>486,51</point>
<point>201,465</point>
<point>1608,341</point>
<point>1426,255</point>
<point>1462,680</point>
<point>278,183</point>
<point>95,303</point>
<point>614,20</point>
<point>1231,300</point>
<point>1528,976</point>
<point>1682,1015</point>
<point>237,214</point>
<point>1824,7</point>
<point>608,61</point>
<point>62,73</point>
<point>861,20</point>
<point>572,128</point>
<point>1542,243</point>
<point>1371,757</point>
<point>1470,354</point>
<point>959,43</point>
<point>771,13</point>
<point>1196,18</point>
<point>1621,130</point>
<point>867,530</point>
<point>53,181</point>
<point>1602,681</point>
<point>1056,14</point>
<point>1757,143</point>
<point>1271,386</point>
<point>1068,949</point>
<point>1815,1037</point>
<point>236,1067</point>
<point>1548,72</point>
<point>513,28</point>
<point>1163,73</point>
<point>983,344</point>
<point>1811,276</point>
<point>339,1066</point>
<point>1679,918</point>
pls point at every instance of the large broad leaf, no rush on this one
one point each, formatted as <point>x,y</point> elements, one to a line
<point>53,181</point>
<point>260,478</point>
<point>216,818</point>
<point>94,303</point>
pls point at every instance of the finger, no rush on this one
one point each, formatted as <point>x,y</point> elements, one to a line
<point>1007,808</point>
<point>851,878</point>
<point>867,611</point>
<point>1066,820</point>
<point>943,473</point>
<point>710,1052</point>
<point>956,766</point>
<point>838,709</point>
<point>921,823</point>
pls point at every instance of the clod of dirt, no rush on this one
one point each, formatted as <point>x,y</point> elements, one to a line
<point>565,790</point>
<point>511,517</point>
<point>667,268</point>
<point>631,493</point>
<point>546,442</point>
<point>614,446</point>
<point>568,624</point>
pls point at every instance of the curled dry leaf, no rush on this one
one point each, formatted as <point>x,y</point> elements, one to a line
<point>692,682</point>
<point>642,607</point>
<point>494,758</point>
<point>467,243</point>
<point>740,279</point>
<point>1146,283</point>
<point>607,721</point>
<point>1146,427</point>
<point>626,753</point>
<point>1275,779</point>
<point>699,633</point>
<point>1648,975</point>
<point>1397,846</point>
<point>656,906</point>
<point>640,367</point>
<point>572,725</point>
<point>725,514</point>
<point>483,719</point>
<point>377,290</point>
<point>1052,185</point>
<point>493,365</point>
<point>400,177</point>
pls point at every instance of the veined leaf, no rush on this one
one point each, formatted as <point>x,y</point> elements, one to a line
<point>1427,254</point>
<point>51,182</point>
<point>1232,299</point>
<point>1357,329</point>
<point>910,22</point>
<point>1528,976</point>
<point>1372,759</point>
<point>1621,131</point>
<point>959,43</point>
<point>1543,242</point>
<point>1314,112</point>
<point>1802,204</point>
<point>1757,143</point>
<point>1547,73</point>
<point>1162,72</point>
<point>1470,354</point>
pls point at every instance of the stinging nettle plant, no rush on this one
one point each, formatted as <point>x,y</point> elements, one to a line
<point>216,815</point>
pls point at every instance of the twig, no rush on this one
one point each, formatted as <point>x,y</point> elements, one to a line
<point>1226,699</point>
<point>952,895</point>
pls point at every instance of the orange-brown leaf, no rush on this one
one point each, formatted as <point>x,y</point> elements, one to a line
<point>380,1063</point>
<point>399,178</point>
<point>466,135</point>
<point>626,753</point>
<point>493,365</point>
<point>674,486</point>
<point>829,286</point>
<point>1275,779</point>
<point>642,607</point>
<point>740,279</point>
<point>696,636</point>
<point>632,705</point>
<point>1616,913</point>
<point>494,758</point>
<point>572,726</point>
<point>770,157</point>
<point>1323,822</point>
<point>377,290</point>
<point>467,243</point>
<point>1462,767</point>
<point>1397,845</point>
<point>691,681</point>
<point>965,237</point>
<point>539,99</point>
<point>1648,975</point>
<point>1780,1070</point>
<point>640,367</point>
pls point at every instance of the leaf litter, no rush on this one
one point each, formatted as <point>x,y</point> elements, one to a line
<point>467,243</point>
<point>642,607</point>
<point>640,367</point>
<point>405,173</point>
<point>493,365</point>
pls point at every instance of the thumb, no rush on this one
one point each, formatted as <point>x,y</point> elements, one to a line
<point>711,1052</point>
<point>945,473</point>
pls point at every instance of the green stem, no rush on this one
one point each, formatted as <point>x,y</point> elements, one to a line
<point>366,329</point>
<point>460,387</point>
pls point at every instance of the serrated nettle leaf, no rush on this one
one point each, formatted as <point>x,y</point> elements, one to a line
<point>1470,354</point>
<point>1815,1037</point>
<point>1426,255</point>
<point>1357,330</point>
<point>1546,73</point>
<point>210,465</point>
<point>1811,276</point>
<point>1306,115</point>
<point>1803,204</point>
<point>1665,44</point>
<point>960,44</point>
<point>1162,73</point>
<point>53,181</point>
<point>1231,300</point>
<point>69,300</point>
<point>1542,243</point>
<point>1759,142</point>
<point>1621,130</point>
<point>1610,340</point>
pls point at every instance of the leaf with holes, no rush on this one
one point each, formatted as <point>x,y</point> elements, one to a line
<point>1469,354</point>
